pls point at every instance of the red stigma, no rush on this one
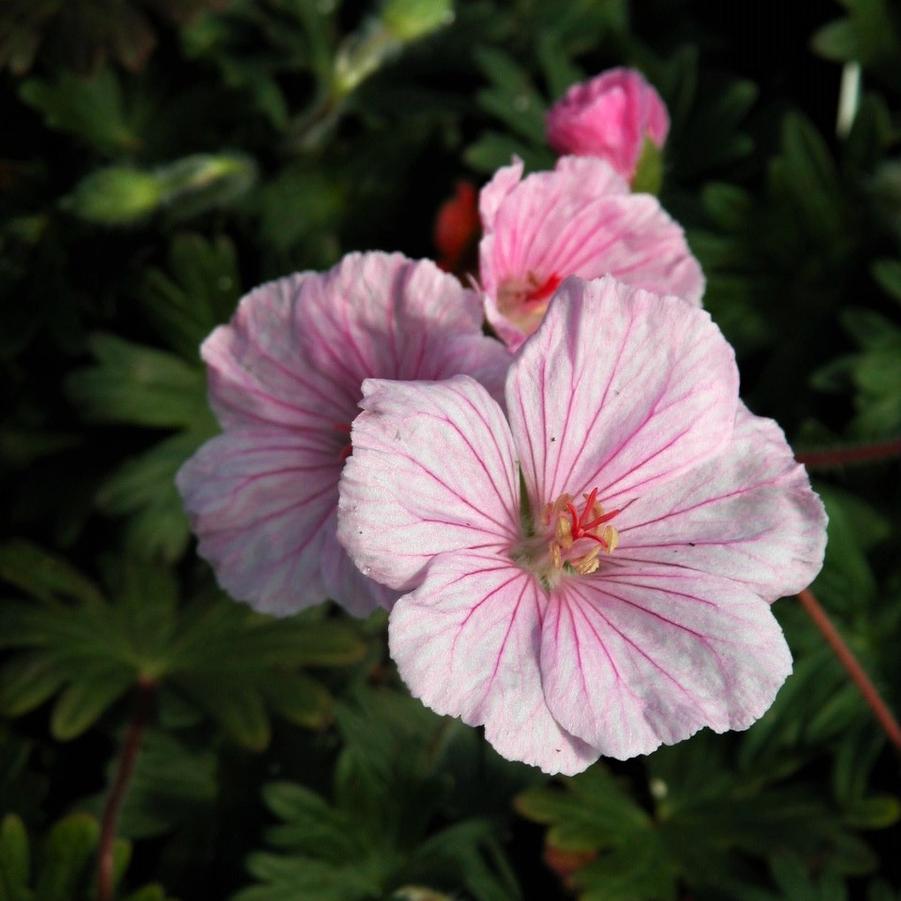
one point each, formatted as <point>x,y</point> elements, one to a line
<point>543,291</point>
<point>580,527</point>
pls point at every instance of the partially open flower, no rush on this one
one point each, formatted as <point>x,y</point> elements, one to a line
<point>580,219</point>
<point>591,575</point>
<point>285,380</point>
<point>611,116</point>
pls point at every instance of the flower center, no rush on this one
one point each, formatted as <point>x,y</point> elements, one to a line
<point>576,536</point>
<point>524,300</point>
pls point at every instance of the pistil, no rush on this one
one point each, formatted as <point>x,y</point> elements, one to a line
<point>570,526</point>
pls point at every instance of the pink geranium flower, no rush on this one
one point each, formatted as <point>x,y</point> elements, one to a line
<point>581,219</point>
<point>610,116</point>
<point>285,380</point>
<point>592,574</point>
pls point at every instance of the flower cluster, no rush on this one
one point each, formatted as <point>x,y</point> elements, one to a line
<point>578,529</point>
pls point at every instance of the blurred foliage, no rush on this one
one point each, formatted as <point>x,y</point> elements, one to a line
<point>87,652</point>
<point>382,834</point>
<point>162,157</point>
<point>61,867</point>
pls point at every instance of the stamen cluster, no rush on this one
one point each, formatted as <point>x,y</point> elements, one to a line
<point>570,527</point>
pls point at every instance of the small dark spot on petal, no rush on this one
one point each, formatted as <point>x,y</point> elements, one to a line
<point>691,544</point>
<point>553,437</point>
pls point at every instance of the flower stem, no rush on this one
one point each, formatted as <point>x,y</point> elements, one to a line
<point>865,686</point>
<point>861,453</point>
<point>130,749</point>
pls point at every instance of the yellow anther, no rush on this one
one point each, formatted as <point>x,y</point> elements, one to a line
<point>590,562</point>
<point>556,555</point>
<point>611,537</point>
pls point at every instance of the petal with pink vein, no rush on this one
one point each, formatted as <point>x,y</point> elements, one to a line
<point>262,503</point>
<point>620,390</point>
<point>466,642</point>
<point>645,656</point>
<point>748,514</point>
<point>433,469</point>
<point>579,220</point>
<point>287,373</point>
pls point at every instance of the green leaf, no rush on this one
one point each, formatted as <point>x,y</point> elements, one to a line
<point>806,172</point>
<point>846,581</point>
<point>43,575</point>
<point>143,489</point>
<point>494,149</point>
<point>871,330</point>
<point>298,699</point>
<point>512,98</point>
<point>85,701</point>
<point>377,837</point>
<point>875,812</point>
<point>200,292</point>
<point>888,274</point>
<point>559,71</point>
<point>304,877</point>
<point>836,41</point>
<point>302,206</point>
<point>729,206</point>
<point>64,869</point>
<point>148,893</point>
<point>14,859</point>
<point>66,857</point>
<point>172,783</point>
<point>27,681</point>
<point>593,812</point>
<point>871,134</point>
<point>91,109</point>
<point>240,711</point>
<point>138,385</point>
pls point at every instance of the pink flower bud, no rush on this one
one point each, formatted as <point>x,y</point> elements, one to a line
<point>609,116</point>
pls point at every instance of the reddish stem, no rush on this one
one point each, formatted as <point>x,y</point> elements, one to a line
<point>861,453</point>
<point>846,657</point>
<point>130,749</point>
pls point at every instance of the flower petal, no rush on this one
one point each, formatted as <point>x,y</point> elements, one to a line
<point>748,514</point>
<point>345,584</point>
<point>288,371</point>
<point>262,503</point>
<point>259,373</point>
<point>299,348</point>
<point>466,643</point>
<point>638,656</point>
<point>619,390</point>
<point>579,220</point>
<point>493,194</point>
<point>433,469</point>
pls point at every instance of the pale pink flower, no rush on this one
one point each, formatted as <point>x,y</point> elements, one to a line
<point>580,219</point>
<point>619,599</point>
<point>609,116</point>
<point>285,380</point>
